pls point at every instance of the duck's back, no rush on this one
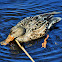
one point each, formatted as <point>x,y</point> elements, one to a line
<point>35,28</point>
<point>32,23</point>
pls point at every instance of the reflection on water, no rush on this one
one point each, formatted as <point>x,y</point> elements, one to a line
<point>11,12</point>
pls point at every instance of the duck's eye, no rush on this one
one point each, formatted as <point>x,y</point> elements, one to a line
<point>13,32</point>
<point>45,18</point>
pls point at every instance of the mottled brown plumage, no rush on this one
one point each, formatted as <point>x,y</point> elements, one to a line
<point>31,28</point>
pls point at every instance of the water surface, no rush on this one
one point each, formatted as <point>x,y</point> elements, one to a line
<point>11,12</point>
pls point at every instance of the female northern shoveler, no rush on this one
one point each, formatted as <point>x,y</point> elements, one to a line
<point>31,28</point>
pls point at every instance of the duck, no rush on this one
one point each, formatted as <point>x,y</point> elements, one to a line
<point>31,28</point>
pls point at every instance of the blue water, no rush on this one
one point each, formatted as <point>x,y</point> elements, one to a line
<point>11,12</point>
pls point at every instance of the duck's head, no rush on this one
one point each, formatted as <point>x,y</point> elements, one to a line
<point>14,33</point>
<point>17,31</point>
<point>50,19</point>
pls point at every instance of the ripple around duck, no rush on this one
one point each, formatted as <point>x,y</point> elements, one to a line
<point>11,12</point>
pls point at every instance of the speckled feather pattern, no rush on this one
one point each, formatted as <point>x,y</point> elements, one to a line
<point>34,27</point>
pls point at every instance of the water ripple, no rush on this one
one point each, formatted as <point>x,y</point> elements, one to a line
<point>11,12</point>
